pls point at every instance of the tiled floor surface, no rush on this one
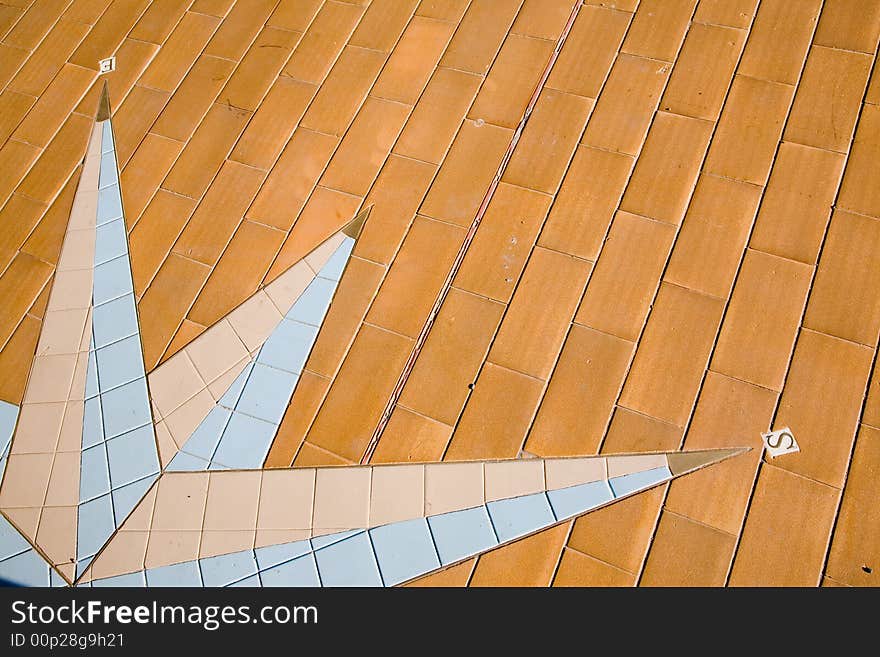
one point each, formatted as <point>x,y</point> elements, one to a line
<point>682,250</point>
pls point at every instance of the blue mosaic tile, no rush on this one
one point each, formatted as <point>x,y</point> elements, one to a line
<point>126,408</point>
<point>204,440</point>
<point>106,137</point>
<point>267,393</point>
<point>11,542</point>
<point>329,539</point>
<point>8,418</point>
<point>94,478</point>
<point>112,280</point>
<point>110,241</point>
<point>108,175</point>
<point>272,555</point>
<point>574,500</point>
<point>312,304</point>
<point>132,456</point>
<point>131,580</point>
<point>120,362</point>
<point>109,204</point>
<point>114,320</point>
<point>228,568</point>
<point>519,516</point>
<point>349,563</point>
<point>95,525</point>
<point>183,462</point>
<point>638,480</point>
<point>125,498</point>
<point>93,423</point>
<point>178,574</point>
<point>26,569</point>
<point>251,582</point>
<point>245,442</point>
<point>300,572</point>
<point>56,580</point>
<point>92,375</point>
<point>232,394</point>
<point>404,550</point>
<point>334,267</point>
<point>461,534</point>
<point>288,347</point>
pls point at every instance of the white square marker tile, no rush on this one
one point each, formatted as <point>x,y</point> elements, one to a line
<point>506,479</point>
<point>564,472</point>
<point>112,279</point>
<point>110,241</point>
<point>286,499</point>
<point>452,487</point>
<point>342,498</point>
<point>397,493</point>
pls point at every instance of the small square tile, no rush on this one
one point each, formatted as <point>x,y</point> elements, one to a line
<point>245,442</point>
<point>519,516</point>
<point>300,572</point>
<point>461,534</point>
<point>267,393</point>
<point>349,563</point>
<point>132,456</point>
<point>342,498</point>
<point>561,473</point>
<point>286,498</point>
<point>404,550</point>
<point>119,362</point>
<point>112,279</point>
<point>232,500</point>
<point>94,473</point>
<point>628,464</point>
<point>126,408</point>
<point>452,487</point>
<point>513,478</point>
<point>110,241</point>
<point>180,501</point>
<point>639,480</point>
<point>227,568</point>
<point>288,347</point>
<point>114,320</point>
<point>397,493</point>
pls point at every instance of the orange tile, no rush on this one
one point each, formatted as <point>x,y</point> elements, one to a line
<point>453,576</point>
<point>709,246</point>
<point>239,28</point>
<point>47,59</point>
<point>511,82</point>
<point>151,239</point>
<point>45,240</point>
<point>273,123</point>
<point>843,301</point>
<point>633,432</point>
<point>527,562</point>
<point>50,111</point>
<point>779,40</point>
<point>586,202</point>
<point>850,25</point>
<point>415,278</point>
<point>193,98</point>
<point>578,569</point>
<point>729,412</point>
<point>219,214</point>
<point>658,28</point>
<point>146,169</point>
<point>497,415</point>
<point>8,17</point>
<point>667,168</point>
<point>212,7</point>
<point>351,410</point>
<point>37,20</point>
<point>294,15</point>
<point>828,99</point>
<point>581,394</point>
<point>450,360</point>
<point>289,184</point>
<point>619,534</point>
<point>311,456</point>
<point>762,320</point>
<point>365,146</point>
<point>166,302</point>
<point>437,116</point>
<point>411,437</point>
<point>303,406</point>
<point>626,107</point>
<point>20,284</point>
<point>859,190</point>
<point>540,313</point>
<point>626,276</point>
<point>703,71</point>
<point>413,60</point>
<point>669,362</point>
<point>354,294</point>
<point>47,176</point>
<point>853,555</point>
<point>184,45</point>
<point>685,553</point>
<point>201,159</point>
<point>799,509</point>
<point>737,13</point>
<point>342,93</point>
<point>319,46</point>
<point>13,108</point>
<point>467,172</point>
<point>132,57</point>
<point>187,332</point>
<point>15,160</point>
<point>106,35</point>
<point>237,275</point>
<point>822,363</point>
<point>873,95</point>
<point>797,204</point>
<point>749,129</point>
<point>134,118</point>
<point>18,217</point>
<point>479,34</point>
<point>497,256</point>
<point>547,144</point>
<point>158,21</point>
<point>871,412</point>
<point>15,359</point>
<point>383,23</point>
<point>394,198</point>
<point>326,212</point>
<point>542,19</point>
<point>588,51</point>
